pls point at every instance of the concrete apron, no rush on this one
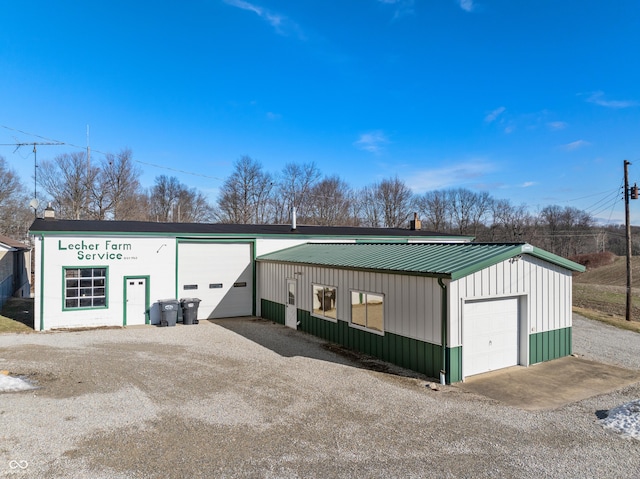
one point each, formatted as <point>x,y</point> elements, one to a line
<point>551,384</point>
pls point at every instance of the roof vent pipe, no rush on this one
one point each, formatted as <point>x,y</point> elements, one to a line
<point>293,219</point>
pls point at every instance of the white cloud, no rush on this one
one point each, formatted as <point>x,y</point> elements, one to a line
<point>457,175</point>
<point>493,116</point>
<point>372,141</point>
<point>403,7</point>
<point>574,145</point>
<point>280,23</point>
<point>557,125</point>
<point>597,98</point>
<point>467,5</point>
<point>527,184</point>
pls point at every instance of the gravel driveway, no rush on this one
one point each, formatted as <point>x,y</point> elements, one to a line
<point>249,398</point>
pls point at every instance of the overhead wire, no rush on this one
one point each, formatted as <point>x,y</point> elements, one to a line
<point>104,154</point>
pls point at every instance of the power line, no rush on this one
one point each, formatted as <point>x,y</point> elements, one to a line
<point>102,153</point>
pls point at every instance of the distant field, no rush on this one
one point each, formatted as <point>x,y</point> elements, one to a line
<point>603,291</point>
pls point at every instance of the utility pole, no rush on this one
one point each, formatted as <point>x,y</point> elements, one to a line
<point>629,193</point>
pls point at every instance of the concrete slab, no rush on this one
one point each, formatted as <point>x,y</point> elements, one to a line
<point>551,384</point>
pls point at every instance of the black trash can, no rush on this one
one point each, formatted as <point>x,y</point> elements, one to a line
<point>168,312</point>
<point>189,310</point>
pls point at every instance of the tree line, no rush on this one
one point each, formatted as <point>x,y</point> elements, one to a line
<point>110,189</point>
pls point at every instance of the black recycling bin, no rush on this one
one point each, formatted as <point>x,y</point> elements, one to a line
<point>189,310</point>
<point>168,312</point>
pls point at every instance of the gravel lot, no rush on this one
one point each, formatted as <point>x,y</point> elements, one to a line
<point>249,398</point>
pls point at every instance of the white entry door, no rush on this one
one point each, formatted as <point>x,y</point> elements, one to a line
<point>489,335</point>
<point>136,301</point>
<point>291,318</point>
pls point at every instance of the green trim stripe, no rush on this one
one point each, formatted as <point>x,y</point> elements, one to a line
<point>454,365</point>
<point>420,356</point>
<point>41,285</point>
<point>550,345</point>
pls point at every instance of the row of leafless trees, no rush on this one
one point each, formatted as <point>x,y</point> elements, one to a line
<point>110,190</point>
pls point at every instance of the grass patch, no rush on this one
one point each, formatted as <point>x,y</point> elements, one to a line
<point>606,299</point>
<point>8,325</point>
<point>17,316</point>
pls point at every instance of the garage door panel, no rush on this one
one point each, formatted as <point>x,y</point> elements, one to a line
<point>220,275</point>
<point>490,335</point>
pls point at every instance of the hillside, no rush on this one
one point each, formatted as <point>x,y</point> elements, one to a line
<point>604,289</point>
<point>614,274</point>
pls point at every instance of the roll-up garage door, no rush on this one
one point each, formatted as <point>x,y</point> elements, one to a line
<point>489,335</point>
<point>220,275</point>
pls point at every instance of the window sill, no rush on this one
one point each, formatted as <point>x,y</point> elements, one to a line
<point>368,330</point>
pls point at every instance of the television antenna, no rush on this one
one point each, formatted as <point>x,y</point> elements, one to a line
<point>34,202</point>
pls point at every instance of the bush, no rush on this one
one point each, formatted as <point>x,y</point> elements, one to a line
<point>594,260</point>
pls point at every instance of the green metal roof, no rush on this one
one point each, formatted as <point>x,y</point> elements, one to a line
<point>445,260</point>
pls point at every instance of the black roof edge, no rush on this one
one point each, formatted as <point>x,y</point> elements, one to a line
<point>96,226</point>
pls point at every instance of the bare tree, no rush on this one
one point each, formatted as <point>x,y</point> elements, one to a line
<point>508,223</point>
<point>434,209</point>
<point>331,203</point>
<point>67,180</point>
<point>119,182</point>
<point>245,195</point>
<point>566,229</point>
<point>468,210</point>
<point>397,201</point>
<point>293,191</point>
<point>171,201</point>
<point>15,215</point>
<point>162,197</point>
<point>192,207</point>
<point>371,212</point>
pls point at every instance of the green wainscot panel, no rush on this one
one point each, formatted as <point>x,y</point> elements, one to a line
<point>272,311</point>
<point>549,345</point>
<point>419,356</point>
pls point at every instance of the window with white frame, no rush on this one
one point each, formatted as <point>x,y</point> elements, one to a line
<point>85,288</point>
<point>367,310</point>
<point>324,301</point>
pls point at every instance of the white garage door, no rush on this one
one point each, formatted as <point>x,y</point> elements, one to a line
<point>489,335</point>
<point>220,275</point>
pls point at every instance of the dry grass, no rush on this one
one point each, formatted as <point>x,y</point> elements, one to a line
<point>601,294</point>
<point>17,316</point>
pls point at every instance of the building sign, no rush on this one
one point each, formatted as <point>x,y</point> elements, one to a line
<point>97,251</point>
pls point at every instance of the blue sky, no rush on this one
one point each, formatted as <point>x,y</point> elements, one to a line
<point>537,102</point>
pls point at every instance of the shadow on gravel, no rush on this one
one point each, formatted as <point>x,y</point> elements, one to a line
<point>290,343</point>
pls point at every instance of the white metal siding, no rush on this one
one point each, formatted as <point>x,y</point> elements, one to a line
<point>412,303</point>
<point>547,288</point>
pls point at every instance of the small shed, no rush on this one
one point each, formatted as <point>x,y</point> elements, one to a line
<point>448,310</point>
<point>15,268</point>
